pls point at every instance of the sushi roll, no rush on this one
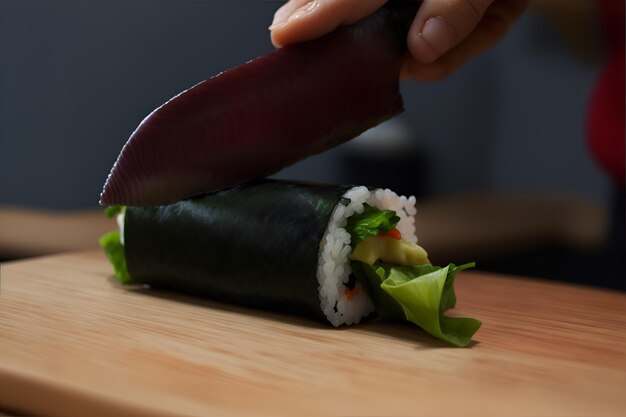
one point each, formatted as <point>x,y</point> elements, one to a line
<point>334,253</point>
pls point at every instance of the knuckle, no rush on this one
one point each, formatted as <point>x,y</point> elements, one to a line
<point>472,11</point>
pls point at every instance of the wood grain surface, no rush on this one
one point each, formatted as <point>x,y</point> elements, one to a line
<point>73,342</point>
<point>26,232</point>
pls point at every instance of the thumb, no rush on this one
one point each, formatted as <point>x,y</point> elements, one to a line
<point>303,20</point>
<point>440,25</point>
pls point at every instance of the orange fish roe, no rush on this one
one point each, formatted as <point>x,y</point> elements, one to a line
<point>350,293</point>
<point>393,233</point>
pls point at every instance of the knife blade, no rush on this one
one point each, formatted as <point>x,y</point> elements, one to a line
<point>257,118</point>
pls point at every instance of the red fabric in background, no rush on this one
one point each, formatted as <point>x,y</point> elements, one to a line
<point>605,118</point>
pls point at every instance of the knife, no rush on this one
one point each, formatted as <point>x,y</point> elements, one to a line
<point>259,117</point>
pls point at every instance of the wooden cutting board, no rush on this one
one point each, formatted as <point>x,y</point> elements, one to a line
<point>73,342</point>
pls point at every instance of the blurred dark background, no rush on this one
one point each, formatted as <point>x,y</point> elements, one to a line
<point>77,77</point>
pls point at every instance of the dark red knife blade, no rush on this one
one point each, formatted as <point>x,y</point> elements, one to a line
<point>264,115</point>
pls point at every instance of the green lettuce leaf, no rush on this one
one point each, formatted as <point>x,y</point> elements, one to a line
<point>114,251</point>
<point>370,277</point>
<point>112,211</point>
<point>370,223</point>
<point>419,294</point>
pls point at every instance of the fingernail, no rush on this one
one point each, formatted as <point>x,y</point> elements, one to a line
<point>439,35</point>
<point>280,21</point>
<point>277,25</point>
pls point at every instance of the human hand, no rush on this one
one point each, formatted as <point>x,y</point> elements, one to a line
<point>443,35</point>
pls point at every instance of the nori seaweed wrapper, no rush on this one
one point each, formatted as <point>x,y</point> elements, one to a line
<point>256,244</point>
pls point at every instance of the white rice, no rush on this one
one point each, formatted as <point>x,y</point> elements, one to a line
<point>333,270</point>
<point>120,224</point>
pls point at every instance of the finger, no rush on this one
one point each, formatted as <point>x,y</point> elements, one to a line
<point>286,10</point>
<point>496,22</point>
<point>305,20</point>
<point>440,25</point>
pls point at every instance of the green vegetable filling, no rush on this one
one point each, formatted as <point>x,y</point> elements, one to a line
<point>419,294</point>
<point>369,223</point>
<point>114,250</point>
<point>112,211</point>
